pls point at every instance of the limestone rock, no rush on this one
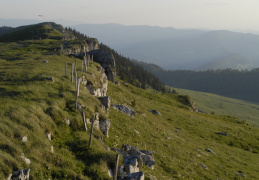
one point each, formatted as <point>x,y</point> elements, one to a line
<point>107,61</point>
<point>51,79</point>
<point>105,101</point>
<point>125,109</point>
<point>67,121</point>
<point>48,135</point>
<point>209,150</point>
<point>223,133</point>
<point>24,139</point>
<point>135,176</point>
<point>23,174</point>
<point>45,61</point>
<point>104,126</point>
<point>155,112</point>
<point>27,161</point>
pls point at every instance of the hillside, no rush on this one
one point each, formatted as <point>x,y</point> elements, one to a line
<point>41,129</point>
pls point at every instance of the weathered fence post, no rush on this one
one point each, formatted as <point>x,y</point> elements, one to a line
<point>116,167</point>
<point>78,86</point>
<point>72,72</point>
<point>91,132</point>
<point>75,67</point>
<point>75,81</point>
<point>65,68</point>
<point>84,121</point>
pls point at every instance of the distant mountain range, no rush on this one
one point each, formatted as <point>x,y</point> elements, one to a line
<point>179,48</point>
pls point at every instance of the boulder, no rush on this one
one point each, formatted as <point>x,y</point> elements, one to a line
<point>125,109</point>
<point>155,112</point>
<point>134,176</point>
<point>105,101</point>
<point>24,139</point>
<point>222,133</point>
<point>104,126</point>
<point>209,150</point>
<point>107,61</point>
<point>23,174</point>
<point>27,161</point>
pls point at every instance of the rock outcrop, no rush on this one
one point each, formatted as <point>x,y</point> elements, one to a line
<point>107,61</point>
<point>23,174</point>
<point>125,109</point>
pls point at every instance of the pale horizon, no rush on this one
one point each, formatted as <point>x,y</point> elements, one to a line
<point>240,15</point>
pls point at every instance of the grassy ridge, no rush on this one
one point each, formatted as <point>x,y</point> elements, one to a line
<point>211,103</point>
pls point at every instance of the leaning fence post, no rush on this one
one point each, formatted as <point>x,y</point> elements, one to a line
<point>75,81</point>
<point>91,132</point>
<point>78,86</point>
<point>72,72</point>
<point>84,121</point>
<point>75,67</point>
<point>116,167</point>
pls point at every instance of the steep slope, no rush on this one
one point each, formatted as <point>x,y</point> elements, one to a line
<point>39,123</point>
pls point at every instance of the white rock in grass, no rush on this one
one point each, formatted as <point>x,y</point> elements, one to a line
<point>27,161</point>
<point>24,139</point>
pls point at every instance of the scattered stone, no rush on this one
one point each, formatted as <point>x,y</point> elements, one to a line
<point>83,80</point>
<point>136,131</point>
<point>222,133</point>
<point>204,166</point>
<point>178,131</point>
<point>48,135</point>
<point>125,109</point>
<point>110,173</point>
<point>240,174</point>
<point>209,150</point>
<point>45,61</point>
<point>104,126</point>
<point>88,121</point>
<point>121,152</point>
<point>27,161</point>
<point>155,112</point>
<point>134,176</point>
<point>24,139</point>
<point>23,174</point>
<point>117,83</point>
<point>108,149</point>
<point>202,152</point>
<point>51,79</point>
<point>52,149</point>
<point>125,84</point>
<point>151,177</point>
<point>67,121</point>
<point>79,107</point>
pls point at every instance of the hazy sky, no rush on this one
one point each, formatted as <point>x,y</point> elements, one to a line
<point>209,14</point>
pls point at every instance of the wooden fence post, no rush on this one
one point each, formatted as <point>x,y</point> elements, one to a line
<point>84,121</point>
<point>75,67</point>
<point>78,86</point>
<point>116,167</point>
<point>75,81</point>
<point>72,72</point>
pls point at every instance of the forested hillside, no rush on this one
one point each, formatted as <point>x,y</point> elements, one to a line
<point>232,83</point>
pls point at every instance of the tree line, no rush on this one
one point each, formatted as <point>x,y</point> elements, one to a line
<point>229,82</point>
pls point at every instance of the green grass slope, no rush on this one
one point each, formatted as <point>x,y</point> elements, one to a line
<point>32,105</point>
<point>211,103</point>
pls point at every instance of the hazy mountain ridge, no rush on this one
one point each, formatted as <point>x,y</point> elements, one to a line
<point>175,48</point>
